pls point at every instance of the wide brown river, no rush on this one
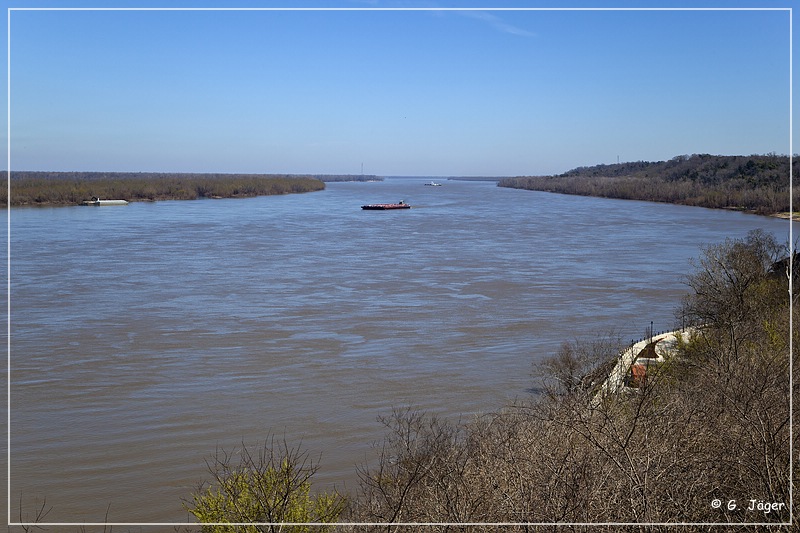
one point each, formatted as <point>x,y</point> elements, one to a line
<point>145,336</point>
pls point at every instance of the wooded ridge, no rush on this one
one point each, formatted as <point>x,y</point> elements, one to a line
<point>755,183</point>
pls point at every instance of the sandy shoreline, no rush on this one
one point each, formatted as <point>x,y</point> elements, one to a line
<point>788,216</point>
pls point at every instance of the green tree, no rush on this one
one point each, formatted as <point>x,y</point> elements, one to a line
<point>267,491</point>
<point>733,288</point>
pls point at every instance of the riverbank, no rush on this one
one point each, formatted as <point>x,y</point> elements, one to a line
<point>55,189</point>
<point>755,184</point>
<point>795,217</point>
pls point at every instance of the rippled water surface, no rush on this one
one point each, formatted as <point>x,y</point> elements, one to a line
<point>146,336</point>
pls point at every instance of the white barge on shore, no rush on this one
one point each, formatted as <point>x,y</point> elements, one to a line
<point>98,201</point>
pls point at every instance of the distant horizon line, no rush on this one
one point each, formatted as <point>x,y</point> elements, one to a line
<point>492,176</point>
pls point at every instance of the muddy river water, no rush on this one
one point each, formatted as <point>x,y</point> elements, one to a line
<point>145,336</point>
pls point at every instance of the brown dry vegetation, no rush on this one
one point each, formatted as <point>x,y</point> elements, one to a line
<point>71,188</point>
<point>713,424</point>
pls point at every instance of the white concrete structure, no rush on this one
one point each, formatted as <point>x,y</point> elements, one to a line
<point>665,346</point>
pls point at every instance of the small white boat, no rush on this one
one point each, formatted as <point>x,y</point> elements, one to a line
<point>98,201</point>
<point>433,184</point>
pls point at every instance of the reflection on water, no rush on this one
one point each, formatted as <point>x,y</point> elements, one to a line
<point>145,336</point>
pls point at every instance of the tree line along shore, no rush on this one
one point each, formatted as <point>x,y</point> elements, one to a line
<point>72,188</point>
<point>757,183</point>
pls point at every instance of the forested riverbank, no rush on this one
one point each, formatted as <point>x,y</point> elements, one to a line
<point>756,183</point>
<point>71,188</point>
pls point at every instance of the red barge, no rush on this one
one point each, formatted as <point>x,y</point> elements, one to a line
<point>383,207</point>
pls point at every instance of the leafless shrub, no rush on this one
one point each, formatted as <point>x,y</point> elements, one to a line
<point>579,366</point>
<point>705,438</point>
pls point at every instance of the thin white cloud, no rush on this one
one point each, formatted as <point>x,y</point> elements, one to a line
<point>497,23</point>
<point>487,17</point>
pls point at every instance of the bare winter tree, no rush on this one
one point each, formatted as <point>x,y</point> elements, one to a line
<point>705,439</point>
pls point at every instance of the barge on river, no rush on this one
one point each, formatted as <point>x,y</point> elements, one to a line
<point>384,207</point>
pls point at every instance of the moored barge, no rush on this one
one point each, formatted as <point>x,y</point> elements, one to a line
<point>98,201</point>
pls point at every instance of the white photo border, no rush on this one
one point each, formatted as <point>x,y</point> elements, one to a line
<point>420,524</point>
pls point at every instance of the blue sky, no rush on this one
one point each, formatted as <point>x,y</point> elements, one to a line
<point>419,92</point>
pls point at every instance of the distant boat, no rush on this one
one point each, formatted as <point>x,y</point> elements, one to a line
<point>434,184</point>
<point>98,201</point>
<point>383,207</point>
